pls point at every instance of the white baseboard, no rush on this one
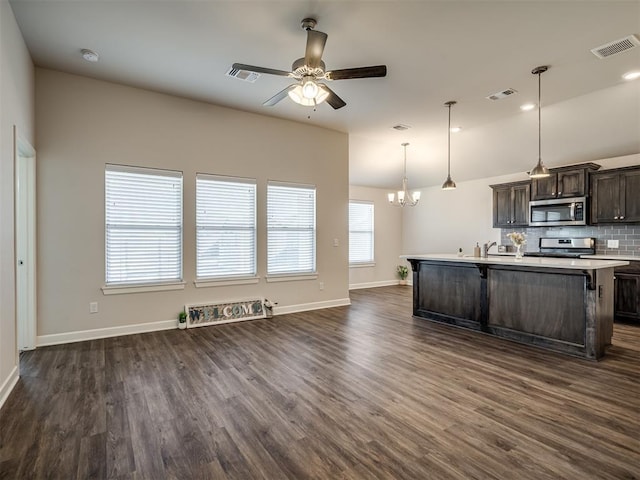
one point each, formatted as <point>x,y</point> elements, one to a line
<point>305,307</point>
<point>82,335</point>
<point>383,283</point>
<point>7,386</point>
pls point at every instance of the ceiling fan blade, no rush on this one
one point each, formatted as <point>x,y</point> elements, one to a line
<point>269,71</point>
<point>279,96</point>
<point>315,46</point>
<point>334,100</point>
<point>359,72</point>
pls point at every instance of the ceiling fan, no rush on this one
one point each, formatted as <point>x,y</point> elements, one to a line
<point>310,70</point>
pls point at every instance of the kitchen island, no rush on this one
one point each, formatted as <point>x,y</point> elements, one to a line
<point>565,305</point>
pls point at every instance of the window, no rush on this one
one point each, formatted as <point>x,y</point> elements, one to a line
<point>360,232</point>
<point>143,216</point>
<point>291,229</point>
<point>225,227</point>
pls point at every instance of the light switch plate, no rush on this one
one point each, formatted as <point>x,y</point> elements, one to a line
<point>613,244</point>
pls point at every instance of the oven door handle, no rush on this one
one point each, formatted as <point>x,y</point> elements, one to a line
<point>572,211</point>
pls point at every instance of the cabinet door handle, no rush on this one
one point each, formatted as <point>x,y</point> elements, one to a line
<point>621,217</point>
<point>559,193</point>
<point>615,218</point>
<point>553,193</point>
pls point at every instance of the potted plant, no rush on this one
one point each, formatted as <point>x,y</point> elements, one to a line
<point>182,320</point>
<point>402,272</point>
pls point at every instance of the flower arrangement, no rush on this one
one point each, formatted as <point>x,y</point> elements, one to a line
<point>517,239</point>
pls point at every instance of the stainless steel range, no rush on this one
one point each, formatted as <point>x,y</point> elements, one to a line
<point>564,247</point>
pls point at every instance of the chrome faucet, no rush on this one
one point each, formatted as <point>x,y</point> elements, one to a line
<point>485,249</point>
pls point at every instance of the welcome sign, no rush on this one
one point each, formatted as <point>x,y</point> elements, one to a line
<point>214,313</point>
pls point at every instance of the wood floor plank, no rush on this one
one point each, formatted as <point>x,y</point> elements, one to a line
<point>358,392</point>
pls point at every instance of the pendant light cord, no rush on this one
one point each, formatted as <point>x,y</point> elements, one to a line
<point>449,144</point>
<point>539,118</point>
<point>404,173</point>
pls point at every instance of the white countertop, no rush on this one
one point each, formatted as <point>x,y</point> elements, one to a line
<point>612,257</point>
<point>546,262</point>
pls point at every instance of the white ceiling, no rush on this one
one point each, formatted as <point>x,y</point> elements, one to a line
<point>435,51</point>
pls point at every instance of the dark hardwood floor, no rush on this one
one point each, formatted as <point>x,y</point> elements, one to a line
<point>362,392</point>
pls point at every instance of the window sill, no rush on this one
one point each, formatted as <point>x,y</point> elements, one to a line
<point>124,289</point>
<point>226,281</point>
<point>292,278</point>
<point>360,265</point>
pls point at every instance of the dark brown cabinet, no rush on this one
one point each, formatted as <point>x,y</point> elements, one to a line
<point>564,182</point>
<point>627,292</point>
<point>615,196</point>
<point>511,204</point>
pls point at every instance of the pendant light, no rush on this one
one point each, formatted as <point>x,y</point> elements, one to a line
<point>448,183</point>
<point>404,196</point>
<point>539,171</point>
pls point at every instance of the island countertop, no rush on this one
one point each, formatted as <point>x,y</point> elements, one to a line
<point>562,304</point>
<point>545,262</point>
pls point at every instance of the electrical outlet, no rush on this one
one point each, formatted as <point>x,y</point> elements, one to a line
<point>93,307</point>
<point>613,244</point>
<point>321,285</point>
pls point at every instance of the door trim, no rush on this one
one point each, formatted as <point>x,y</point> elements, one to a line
<point>25,241</point>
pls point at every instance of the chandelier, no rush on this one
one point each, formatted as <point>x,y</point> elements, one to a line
<point>404,197</point>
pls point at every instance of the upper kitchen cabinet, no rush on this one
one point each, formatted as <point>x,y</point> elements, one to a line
<point>615,196</point>
<point>511,204</point>
<point>570,181</point>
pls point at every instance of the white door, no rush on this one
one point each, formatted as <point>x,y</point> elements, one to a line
<point>25,228</point>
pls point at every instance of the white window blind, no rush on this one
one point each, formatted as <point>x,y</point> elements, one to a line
<point>143,216</point>
<point>225,227</point>
<point>291,229</point>
<point>360,232</point>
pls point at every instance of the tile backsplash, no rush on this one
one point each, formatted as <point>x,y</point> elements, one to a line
<point>628,237</point>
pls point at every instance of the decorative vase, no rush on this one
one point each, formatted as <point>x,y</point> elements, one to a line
<point>403,281</point>
<point>182,325</point>
<point>519,252</point>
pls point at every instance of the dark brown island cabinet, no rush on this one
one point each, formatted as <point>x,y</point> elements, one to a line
<point>511,204</point>
<point>564,182</point>
<point>627,292</point>
<point>564,305</point>
<point>615,196</point>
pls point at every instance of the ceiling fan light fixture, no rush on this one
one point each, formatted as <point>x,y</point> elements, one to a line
<point>297,95</point>
<point>540,170</point>
<point>309,88</point>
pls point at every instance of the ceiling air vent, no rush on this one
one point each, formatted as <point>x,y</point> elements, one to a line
<point>244,75</point>
<point>618,46</point>
<point>401,127</point>
<point>503,94</point>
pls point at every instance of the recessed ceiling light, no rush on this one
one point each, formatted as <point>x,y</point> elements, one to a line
<point>631,75</point>
<point>455,129</point>
<point>89,55</point>
<point>527,106</point>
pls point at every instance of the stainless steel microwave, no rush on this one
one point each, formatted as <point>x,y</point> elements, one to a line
<point>560,211</point>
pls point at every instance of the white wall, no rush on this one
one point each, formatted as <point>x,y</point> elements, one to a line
<point>387,225</point>
<point>82,124</point>
<point>16,108</point>
<point>444,221</point>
